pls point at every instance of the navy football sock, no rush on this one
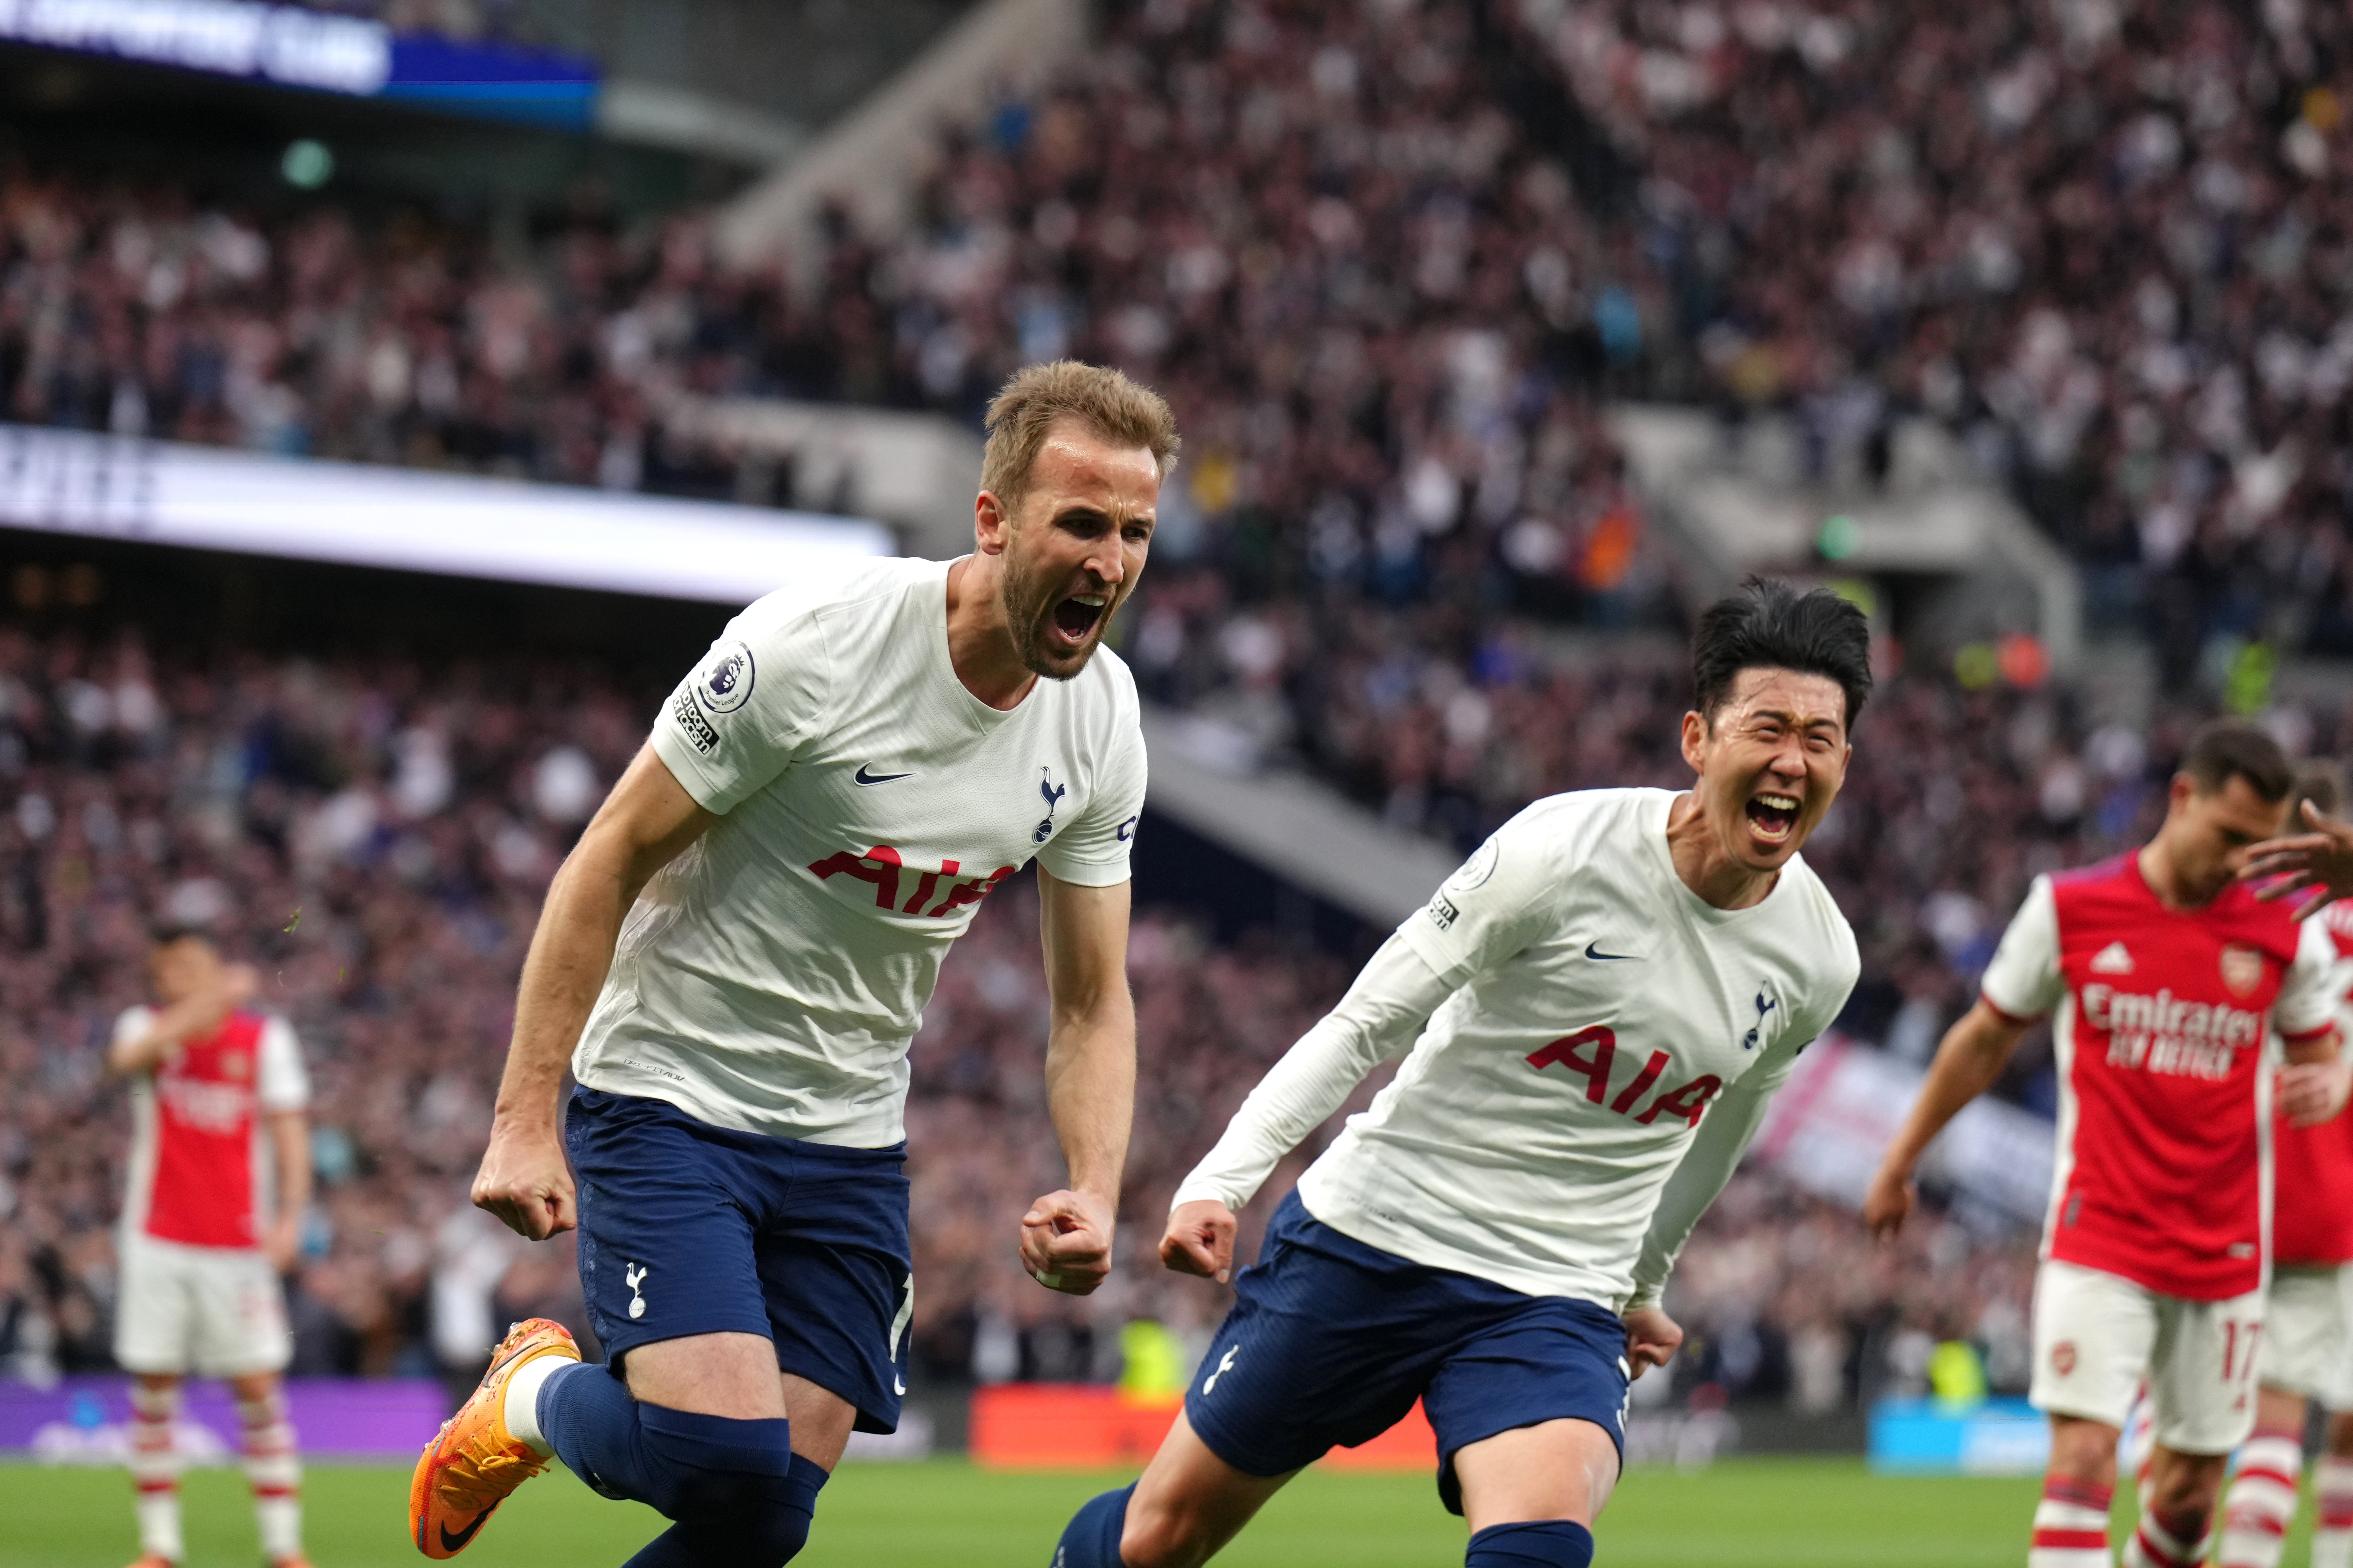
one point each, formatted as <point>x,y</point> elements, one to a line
<point>744,1537</point>
<point>1539,1543</point>
<point>1091,1538</point>
<point>744,1498</point>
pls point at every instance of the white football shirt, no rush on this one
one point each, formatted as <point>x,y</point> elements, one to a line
<point>1595,1011</point>
<point>770,978</point>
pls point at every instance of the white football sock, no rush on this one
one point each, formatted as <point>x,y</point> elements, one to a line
<point>2332,1534</point>
<point>519,1408</point>
<point>275,1471</point>
<point>2262,1501</point>
<point>155,1468</point>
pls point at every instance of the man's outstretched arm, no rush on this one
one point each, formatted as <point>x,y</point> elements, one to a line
<point>1381,1016</point>
<point>1975,1050</point>
<point>643,825</point>
<point>1090,1080</point>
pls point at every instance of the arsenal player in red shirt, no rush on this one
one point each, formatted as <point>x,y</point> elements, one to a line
<point>200,1256</point>
<point>2165,975</point>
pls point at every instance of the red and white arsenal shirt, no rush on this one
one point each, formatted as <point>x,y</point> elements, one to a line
<point>2164,1165</point>
<point>194,1144</point>
<point>2312,1220</point>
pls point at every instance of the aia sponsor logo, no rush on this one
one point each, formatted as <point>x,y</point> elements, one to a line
<point>1592,1055</point>
<point>2242,969</point>
<point>938,893</point>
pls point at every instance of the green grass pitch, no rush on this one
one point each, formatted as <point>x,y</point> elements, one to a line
<point>1757,1513</point>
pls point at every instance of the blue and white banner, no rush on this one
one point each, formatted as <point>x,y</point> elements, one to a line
<point>286,45</point>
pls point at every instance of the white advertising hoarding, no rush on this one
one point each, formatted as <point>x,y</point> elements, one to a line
<point>156,492</point>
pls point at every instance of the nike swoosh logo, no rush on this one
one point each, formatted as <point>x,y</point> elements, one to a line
<point>457,1542</point>
<point>865,778</point>
<point>1593,949</point>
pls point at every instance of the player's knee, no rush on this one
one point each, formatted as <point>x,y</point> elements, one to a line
<point>2083,1452</point>
<point>1162,1536</point>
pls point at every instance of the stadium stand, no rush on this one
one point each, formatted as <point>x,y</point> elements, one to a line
<point>1389,274</point>
<point>378,832</point>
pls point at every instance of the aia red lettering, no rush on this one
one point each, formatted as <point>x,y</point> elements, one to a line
<point>970,893</point>
<point>1594,1064</point>
<point>1590,1053</point>
<point>1687,1101</point>
<point>883,873</point>
<point>881,865</point>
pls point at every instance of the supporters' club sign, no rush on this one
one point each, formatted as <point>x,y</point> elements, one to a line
<point>2242,969</point>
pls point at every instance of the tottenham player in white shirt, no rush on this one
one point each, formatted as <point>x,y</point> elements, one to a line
<point>1598,1007</point>
<point>741,948</point>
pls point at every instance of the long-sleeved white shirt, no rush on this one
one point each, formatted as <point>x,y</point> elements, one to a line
<point>1592,1047</point>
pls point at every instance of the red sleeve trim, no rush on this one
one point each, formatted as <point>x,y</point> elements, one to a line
<point>2003,1013</point>
<point>2307,1035</point>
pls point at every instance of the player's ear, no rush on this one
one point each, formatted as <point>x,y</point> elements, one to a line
<point>1695,735</point>
<point>992,523</point>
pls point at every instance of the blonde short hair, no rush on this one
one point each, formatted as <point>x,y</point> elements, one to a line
<point>1111,407</point>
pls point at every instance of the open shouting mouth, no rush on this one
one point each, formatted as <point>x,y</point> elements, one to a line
<point>1074,619</point>
<point>1773,815</point>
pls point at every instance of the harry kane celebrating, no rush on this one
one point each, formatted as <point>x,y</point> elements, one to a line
<point>1599,1005</point>
<point>2165,975</point>
<point>855,766</point>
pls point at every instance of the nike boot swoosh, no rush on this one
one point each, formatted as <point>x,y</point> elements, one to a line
<point>1593,949</point>
<point>457,1542</point>
<point>866,778</point>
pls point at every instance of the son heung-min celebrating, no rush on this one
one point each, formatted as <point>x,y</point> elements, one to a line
<point>1598,1004</point>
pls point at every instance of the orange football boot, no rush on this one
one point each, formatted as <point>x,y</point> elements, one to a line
<point>474,1462</point>
<point>152,1560</point>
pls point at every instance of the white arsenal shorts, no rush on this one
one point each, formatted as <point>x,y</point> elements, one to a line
<point>2308,1334</point>
<point>214,1311</point>
<point>2096,1335</point>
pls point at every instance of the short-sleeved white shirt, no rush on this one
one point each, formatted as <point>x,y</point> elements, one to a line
<point>771,977</point>
<point>1601,1007</point>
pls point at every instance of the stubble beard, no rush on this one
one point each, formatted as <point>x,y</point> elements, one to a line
<point>1027,598</point>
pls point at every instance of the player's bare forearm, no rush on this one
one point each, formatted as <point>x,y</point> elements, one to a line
<point>643,825</point>
<point>171,1026</point>
<point>1090,1046</point>
<point>1974,1052</point>
<point>1066,1237</point>
<point>289,1141</point>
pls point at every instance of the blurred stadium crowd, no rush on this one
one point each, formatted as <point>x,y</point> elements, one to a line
<point>376,835</point>
<point>1386,259</point>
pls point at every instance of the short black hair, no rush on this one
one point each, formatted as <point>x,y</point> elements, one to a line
<point>2321,782</point>
<point>1768,624</point>
<point>2232,748</point>
<point>165,933</point>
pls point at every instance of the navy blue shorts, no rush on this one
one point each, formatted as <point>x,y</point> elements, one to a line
<point>687,1229</point>
<point>1330,1342</point>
